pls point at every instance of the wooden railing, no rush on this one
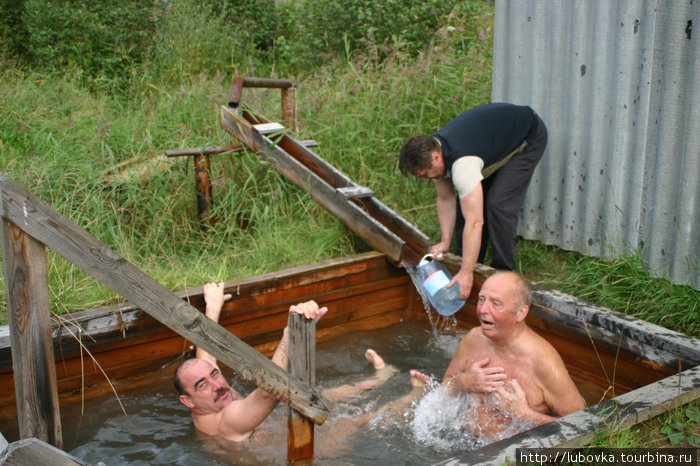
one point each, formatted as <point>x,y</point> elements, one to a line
<point>29,226</point>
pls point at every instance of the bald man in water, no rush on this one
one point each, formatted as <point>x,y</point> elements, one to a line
<point>216,407</point>
<point>505,360</point>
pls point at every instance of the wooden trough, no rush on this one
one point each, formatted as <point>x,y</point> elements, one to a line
<point>655,369</point>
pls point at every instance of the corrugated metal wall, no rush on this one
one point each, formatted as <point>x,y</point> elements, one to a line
<point>618,84</point>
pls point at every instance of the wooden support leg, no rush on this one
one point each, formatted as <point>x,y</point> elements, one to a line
<point>302,365</point>
<point>36,389</point>
<point>202,180</point>
<point>289,108</point>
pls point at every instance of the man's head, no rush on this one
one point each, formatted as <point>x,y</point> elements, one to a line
<point>202,387</point>
<point>421,156</point>
<point>504,301</point>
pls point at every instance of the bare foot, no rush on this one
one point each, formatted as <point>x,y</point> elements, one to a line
<point>375,359</point>
<point>418,379</point>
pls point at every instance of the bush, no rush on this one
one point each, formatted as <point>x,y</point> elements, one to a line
<point>313,32</point>
<point>99,38</point>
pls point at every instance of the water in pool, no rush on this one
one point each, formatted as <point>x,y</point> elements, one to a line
<point>158,430</point>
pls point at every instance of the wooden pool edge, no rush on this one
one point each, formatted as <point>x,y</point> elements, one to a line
<point>656,343</point>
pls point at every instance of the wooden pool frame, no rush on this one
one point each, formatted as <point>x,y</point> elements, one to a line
<point>655,369</point>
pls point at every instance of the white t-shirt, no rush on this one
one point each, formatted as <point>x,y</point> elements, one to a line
<point>466,174</point>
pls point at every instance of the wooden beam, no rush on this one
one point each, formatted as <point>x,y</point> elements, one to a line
<point>302,365</point>
<point>29,312</point>
<point>376,234</point>
<point>73,243</point>
<point>203,150</point>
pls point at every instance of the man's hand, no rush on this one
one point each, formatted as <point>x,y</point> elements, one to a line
<point>214,294</point>
<point>465,281</point>
<point>479,377</point>
<point>309,309</point>
<point>439,250</point>
<point>511,398</point>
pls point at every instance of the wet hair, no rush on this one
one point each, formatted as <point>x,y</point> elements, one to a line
<point>415,153</point>
<point>177,383</point>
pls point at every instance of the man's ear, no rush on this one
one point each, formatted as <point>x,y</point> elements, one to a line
<point>522,313</point>
<point>185,400</point>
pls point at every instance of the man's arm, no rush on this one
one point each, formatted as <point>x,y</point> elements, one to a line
<point>240,417</point>
<point>214,298</point>
<point>472,206</point>
<point>447,214</point>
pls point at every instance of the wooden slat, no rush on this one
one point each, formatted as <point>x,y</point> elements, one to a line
<point>302,365</point>
<point>28,310</point>
<point>355,192</point>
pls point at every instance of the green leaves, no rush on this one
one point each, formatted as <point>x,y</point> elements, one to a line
<point>683,427</point>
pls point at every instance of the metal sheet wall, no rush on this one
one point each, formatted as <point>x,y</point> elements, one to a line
<point>617,83</point>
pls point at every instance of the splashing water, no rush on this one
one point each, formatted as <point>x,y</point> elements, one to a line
<point>439,420</point>
<point>448,423</point>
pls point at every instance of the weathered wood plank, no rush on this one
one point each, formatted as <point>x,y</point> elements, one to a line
<point>302,365</point>
<point>67,239</point>
<point>326,195</point>
<point>33,451</point>
<point>355,192</point>
<point>29,313</point>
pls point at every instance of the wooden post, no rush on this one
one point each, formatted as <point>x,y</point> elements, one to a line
<point>29,313</point>
<point>202,179</point>
<point>289,107</point>
<point>302,365</point>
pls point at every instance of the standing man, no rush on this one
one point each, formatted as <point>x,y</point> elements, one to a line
<point>488,155</point>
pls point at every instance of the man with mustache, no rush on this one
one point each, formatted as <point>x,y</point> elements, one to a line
<point>513,371</point>
<point>216,408</point>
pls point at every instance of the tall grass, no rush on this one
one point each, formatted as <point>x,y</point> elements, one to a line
<point>58,135</point>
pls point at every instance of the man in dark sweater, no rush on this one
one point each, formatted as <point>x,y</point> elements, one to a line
<point>487,154</point>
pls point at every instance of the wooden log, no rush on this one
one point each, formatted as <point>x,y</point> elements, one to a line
<point>302,365</point>
<point>73,243</point>
<point>29,313</point>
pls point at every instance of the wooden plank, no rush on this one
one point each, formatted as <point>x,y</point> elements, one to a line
<point>203,150</point>
<point>33,451</point>
<point>269,128</point>
<point>416,241</point>
<point>302,365</point>
<point>355,192</point>
<point>29,311</point>
<point>96,259</point>
<point>350,214</point>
